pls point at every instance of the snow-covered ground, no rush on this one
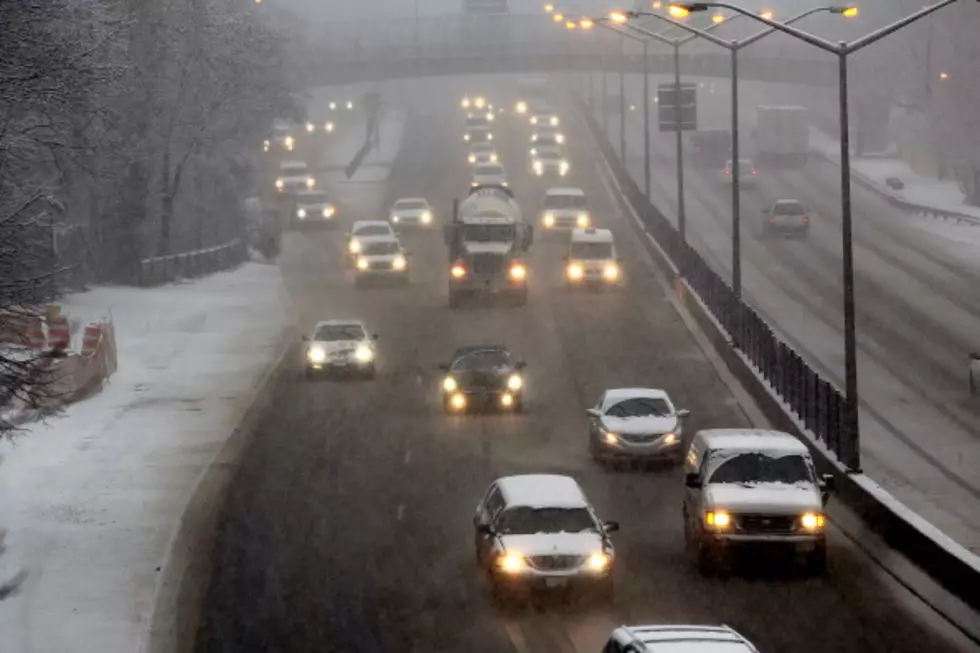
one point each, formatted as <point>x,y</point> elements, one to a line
<point>92,497</point>
<point>919,189</point>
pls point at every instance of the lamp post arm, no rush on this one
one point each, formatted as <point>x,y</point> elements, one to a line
<point>749,40</point>
<point>815,41</point>
<point>877,35</point>
<point>693,30</point>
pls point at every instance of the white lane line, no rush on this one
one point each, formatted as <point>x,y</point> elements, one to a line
<point>516,637</point>
<point>408,457</point>
<point>401,511</point>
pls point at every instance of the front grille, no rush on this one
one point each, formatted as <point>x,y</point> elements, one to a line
<point>556,563</point>
<point>566,221</point>
<point>765,524</point>
<point>381,265</point>
<point>639,438</point>
<point>487,263</point>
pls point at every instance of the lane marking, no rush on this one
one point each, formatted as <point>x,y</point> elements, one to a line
<point>408,457</point>
<point>516,637</point>
<point>401,511</point>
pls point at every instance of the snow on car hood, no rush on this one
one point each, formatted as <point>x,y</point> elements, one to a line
<point>776,498</point>
<point>553,543</point>
<point>488,248</point>
<point>332,346</point>
<point>640,425</point>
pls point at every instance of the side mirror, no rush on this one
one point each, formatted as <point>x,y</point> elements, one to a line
<point>375,336</point>
<point>520,365</point>
<point>683,412</point>
<point>692,480</point>
<point>484,529</point>
<point>593,412</point>
<point>828,482</point>
<point>444,367</point>
<point>611,526</point>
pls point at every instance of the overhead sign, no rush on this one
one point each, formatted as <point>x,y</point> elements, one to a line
<point>669,102</point>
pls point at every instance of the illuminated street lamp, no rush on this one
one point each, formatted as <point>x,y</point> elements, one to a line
<point>549,8</point>
<point>558,17</point>
<point>851,456</point>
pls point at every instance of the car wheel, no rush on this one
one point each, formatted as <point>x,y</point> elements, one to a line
<point>370,372</point>
<point>707,559</point>
<point>594,450</point>
<point>453,299</point>
<point>816,560</point>
<point>518,405</point>
<point>521,297</point>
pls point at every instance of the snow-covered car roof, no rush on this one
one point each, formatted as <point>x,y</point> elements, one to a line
<point>564,191</point>
<point>615,395</point>
<point>709,639</point>
<point>351,322</point>
<point>593,235</point>
<point>360,224</point>
<point>380,238</point>
<point>761,440</point>
<point>542,491</point>
<point>411,200</point>
<point>311,196</point>
<point>292,164</point>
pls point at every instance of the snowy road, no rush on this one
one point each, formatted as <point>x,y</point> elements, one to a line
<point>349,525</point>
<point>918,307</point>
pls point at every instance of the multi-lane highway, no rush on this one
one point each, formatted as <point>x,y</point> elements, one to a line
<point>349,524</point>
<point>918,310</point>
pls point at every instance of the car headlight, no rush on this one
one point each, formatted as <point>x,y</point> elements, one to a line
<point>466,137</point>
<point>288,142</point>
<point>515,382</point>
<point>280,184</point>
<point>350,105</point>
<point>310,182</point>
<point>718,519</point>
<point>534,120</point>
<point>518,272</point>
<point>582,220</point>
<point>489,137</point>
<point>426,217</point>
<point>549,219</point>
<point>554,121</point>
<point>560,138</point>
<point>493,158</point>
<point>472,158</point>
<point>812,521</point>
<point>329,211</point>
<point>522,107</point>
<point>301,213</point>
<point>504,184</point>
<point>609,437</point>
<point>333,106</point>
<point>449,384</point>
<point>395,219</point>
<point>316,355</point>
<point>265,146</point>
<point>575,271</point>
<point>363,354</point>
<point>563,164</point>
<point>670,438</point>
<point>611,272</point>
<point>310,127</point>
<point>457,271</point>
<point>480,103</point>
<point>490,116</point>
<point>538,167</point>
<point>362,263</point>
<point>511,563</point>
<point>534,151</point>
<point>599,561</point>
<point>465,103</point>
<point>399,263</point>
<point>328,126</point>
<point>458,401</point>
<point>354,247</point>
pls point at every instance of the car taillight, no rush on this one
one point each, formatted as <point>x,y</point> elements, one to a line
<point>772,220</point>
<point>697,148</point>
<point>755,172</point>
<point>728,172</point>
<point>458,270</point>
<point>806,219</point>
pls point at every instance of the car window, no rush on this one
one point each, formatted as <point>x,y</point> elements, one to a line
<point>312,198</point>
<point>381,248</point>
<point>409,205</point>
<point>789,208</point>
<point>495,502</point>
<point>489,170</point>
<point>549,153</point>
<point>482,147</point>
<point>331,332</point>
<point>489,233</point>
<point>484,359</point>
<point>544,141</point>
<point>640,407</point>
<point>372,230</point>
<point>293,169</point>
<point>564,201</point>
<point>755,467</point>
<point>591,251</point>
<point>523,520</point>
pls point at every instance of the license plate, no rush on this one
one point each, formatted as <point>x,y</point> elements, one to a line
<point>556,582</point>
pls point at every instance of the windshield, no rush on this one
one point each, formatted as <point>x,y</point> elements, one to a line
<point>372,230</point>
<point>332,332</point>
<point>479,148</point>
<point>591,251</point>
<point>312,198</point>
<point>640,407</point>
<point>564,202</point>
<point>488,233</point>
<point>488,170</point>
<point>522,520</point>
<point>381,248</point>
<point>545,141</point>
<point>757,467</point>
<point>483,359</point>
<point>410,204</point>
<point>479,135</point>
<point>549,153</point>
<point>293,169</point>
<point>789,209</point>
<point>477,121</point>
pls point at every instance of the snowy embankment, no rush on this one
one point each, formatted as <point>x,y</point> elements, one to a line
<point>93,498</point>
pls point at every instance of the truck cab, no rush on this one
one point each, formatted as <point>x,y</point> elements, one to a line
<point>488,240</point>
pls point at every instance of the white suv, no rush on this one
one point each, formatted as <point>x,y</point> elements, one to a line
<point>677,639</point>
<point>753,488</point>
<point>538,531</point>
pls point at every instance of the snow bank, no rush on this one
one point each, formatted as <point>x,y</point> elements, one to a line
<point>940,194</point>
<point>91,498</point>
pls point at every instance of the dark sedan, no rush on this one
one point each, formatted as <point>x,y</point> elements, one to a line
<point>483,376</point>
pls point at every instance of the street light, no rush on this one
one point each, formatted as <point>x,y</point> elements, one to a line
<point>558,17</point>
<point>852,453</point>
<point>549,8</point>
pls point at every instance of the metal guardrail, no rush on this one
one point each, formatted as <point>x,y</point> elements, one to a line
<point>814,400</point>
<point>164,269</point>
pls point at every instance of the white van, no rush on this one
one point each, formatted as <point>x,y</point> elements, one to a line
<point>592,259</point>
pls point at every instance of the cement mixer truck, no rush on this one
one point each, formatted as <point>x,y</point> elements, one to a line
<point>488,240</point>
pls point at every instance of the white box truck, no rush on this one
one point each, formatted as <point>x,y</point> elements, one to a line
<point>782,135</point>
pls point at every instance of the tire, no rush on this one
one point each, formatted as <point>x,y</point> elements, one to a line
<point>453,299</point>
<point>521,297</point>
<point>706,558</point>
<point>370,373</point>
<point>594,450</point>
<point>816,560</point>
<point>518,405</point>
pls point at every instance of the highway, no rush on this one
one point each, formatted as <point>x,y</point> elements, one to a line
<point>348,526</point>
<point>918,311</point>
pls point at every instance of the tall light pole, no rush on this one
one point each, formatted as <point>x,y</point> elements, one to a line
<point>852,452</point>
<point>733,47</point>
<point>622,99</point>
